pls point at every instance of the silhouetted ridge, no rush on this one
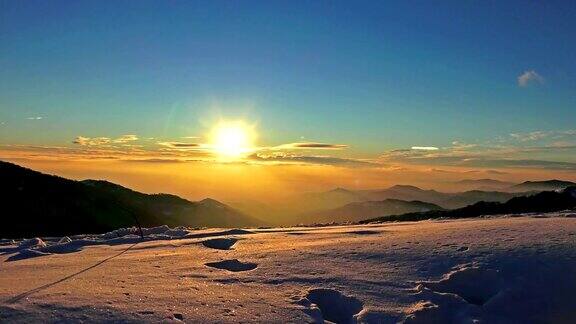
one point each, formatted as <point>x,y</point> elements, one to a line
<point>542,185</point>
<point>547,201</point>
<point>357,211</point>
<point>37,204</point>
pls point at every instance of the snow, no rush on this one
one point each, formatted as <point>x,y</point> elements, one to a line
<point>489,270</point>
<point>220,243</point>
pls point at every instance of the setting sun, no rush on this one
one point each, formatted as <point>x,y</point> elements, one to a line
<point>232,139</point>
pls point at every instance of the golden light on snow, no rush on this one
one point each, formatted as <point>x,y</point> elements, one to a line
<point>233,139</point>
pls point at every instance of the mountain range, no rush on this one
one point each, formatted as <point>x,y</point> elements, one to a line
<point>357,211</point>
<point>546,201</point>
<point>39,204</point>
<point>34,203</point>
<point>344,205</point>
<point>340,197</point>
<point>483,184</point>
<point>547,185</point>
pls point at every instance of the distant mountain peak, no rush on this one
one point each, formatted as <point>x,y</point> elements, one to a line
<point>340,190</point>
<point>405,187</point>
<point>550,182</point>
<point>211,202</point>
<point>553,184</point>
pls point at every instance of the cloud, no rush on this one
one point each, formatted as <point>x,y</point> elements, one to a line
<point>531,136</point>
<point>558,136</point>
<point>529,77</point>
<point>312,145</point>
<point>125,139</point>
<point>153,160</point>
<point>476,160</point>
<point>98,141</point>
<point>425,148</point>
<point>286,158</point>
<point>548,155</point>
<point>181,145</point>
<point>94,141</point>
<point>86,151</point>
<point>35,118</point>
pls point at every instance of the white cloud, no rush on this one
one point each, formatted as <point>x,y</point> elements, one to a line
<point>96,141</point>
<point>91,141</point>
<point>126,138</point>
<point>529,77</point>
<point>531,136</point>
<point>424,148</point>
<point>35,118</point>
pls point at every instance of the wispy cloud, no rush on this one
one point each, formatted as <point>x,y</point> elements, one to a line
<point>181,145</point>
<point>91,141</point>
<point>425,148</point>
<point>540,135</point>
<point>540,149</point>
<point>35,118</point>
<point>125,139</point>
<point>287,158</point>
<point>555,151</point>
<point>531,136</point>
<point>312,145</point>
<point>529,77</point>
<point>101,152</point>
<point>99,141</point>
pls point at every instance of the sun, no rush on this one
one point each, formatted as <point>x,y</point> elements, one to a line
<point>232,139</point>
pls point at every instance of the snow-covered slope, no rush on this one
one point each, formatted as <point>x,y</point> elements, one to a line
<point>495,270</point>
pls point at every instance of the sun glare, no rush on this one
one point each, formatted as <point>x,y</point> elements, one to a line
<point>232,139</point>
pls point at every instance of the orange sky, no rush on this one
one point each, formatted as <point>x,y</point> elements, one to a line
<point>265,182</point>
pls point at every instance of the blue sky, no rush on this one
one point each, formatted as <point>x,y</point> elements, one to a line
<point>374,75</point>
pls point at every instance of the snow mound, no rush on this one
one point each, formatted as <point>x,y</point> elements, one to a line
<point>177,232</point>
<point>473,284</point>
<point>155,230</point>
<point>233,265</point>
<point>324,304</point>
<point>25,254</point>
<point>65,239</point>
<point>238,231</point>
<point>220,243</point>
<point>32,243</point>
<point>36,247</point>
<point>533,292</point>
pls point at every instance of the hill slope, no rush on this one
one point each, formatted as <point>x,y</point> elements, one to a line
<point>34,203</point>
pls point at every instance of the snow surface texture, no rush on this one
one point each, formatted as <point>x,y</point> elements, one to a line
<point>495,270</point>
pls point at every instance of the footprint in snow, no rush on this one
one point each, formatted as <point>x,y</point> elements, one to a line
<point>331,305</point>
<point>233,265</point>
